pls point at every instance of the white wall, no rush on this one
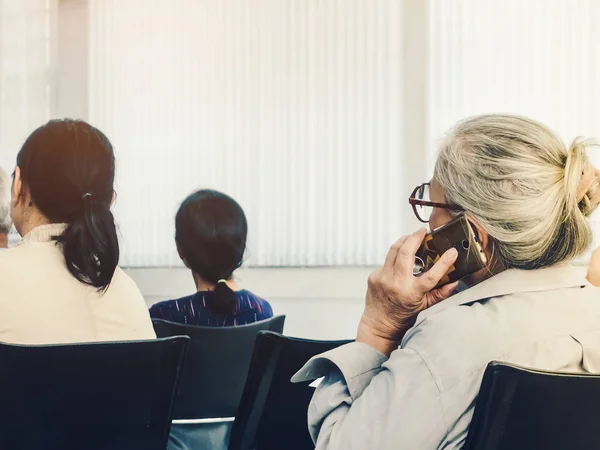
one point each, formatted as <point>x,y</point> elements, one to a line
<point>26,72</point>
<point>72,54</point>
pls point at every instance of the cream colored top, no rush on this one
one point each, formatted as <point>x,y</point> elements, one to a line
<point>42,303</point>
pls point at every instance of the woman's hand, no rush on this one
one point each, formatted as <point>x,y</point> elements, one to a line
<point>395,296</point>
<point>593,273</point>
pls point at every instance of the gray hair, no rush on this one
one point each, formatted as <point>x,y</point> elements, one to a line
<point>518,181</point>
<point>5,188</point>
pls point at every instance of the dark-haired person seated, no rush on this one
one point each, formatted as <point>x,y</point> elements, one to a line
<point>62,284</point>
<point>210,233</point>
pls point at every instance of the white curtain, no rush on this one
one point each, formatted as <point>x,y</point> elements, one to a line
<point>299,109</point>
<point>539,58</point>
<point>25,74</point>
<point>293,107</point>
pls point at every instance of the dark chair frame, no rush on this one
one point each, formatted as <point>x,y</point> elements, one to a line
<point>57,395</point>
<point>507,415</point>
<point>268,359</point>
<point>196,402</point>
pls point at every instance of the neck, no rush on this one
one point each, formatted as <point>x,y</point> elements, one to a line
<point>33,220</point>
<point>494,267</point>
<point>3,240</point>
<point>203,285</point>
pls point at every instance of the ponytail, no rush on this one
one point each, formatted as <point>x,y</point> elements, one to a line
<point>77,191</point>
<point>90,244</point>
<point>223,301</point>
<point>210,232</point>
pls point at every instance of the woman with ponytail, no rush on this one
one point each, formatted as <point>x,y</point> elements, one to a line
<point>62,284</point>
<point>210,233</point>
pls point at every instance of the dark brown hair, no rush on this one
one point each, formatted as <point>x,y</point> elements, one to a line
<point>68,168</point>
<point>210,231</point>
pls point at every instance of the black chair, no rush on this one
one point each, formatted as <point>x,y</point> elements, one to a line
<point>215,368</point>
<point>523,409</point>
<point>93,396</point>
<point>273,411</point>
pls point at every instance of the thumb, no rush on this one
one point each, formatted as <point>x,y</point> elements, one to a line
<point>441,294</point>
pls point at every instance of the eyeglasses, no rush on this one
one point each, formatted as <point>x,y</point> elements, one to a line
<point>422,206</point>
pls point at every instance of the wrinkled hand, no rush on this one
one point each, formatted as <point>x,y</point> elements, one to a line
<point>395,296</point>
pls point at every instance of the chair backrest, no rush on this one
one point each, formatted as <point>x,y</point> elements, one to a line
<point>215,369</point>
<point>95,396</point>
<point>519,408</point>
<point>273,411</point>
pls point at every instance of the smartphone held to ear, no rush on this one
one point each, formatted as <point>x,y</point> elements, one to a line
<point>458,234</point>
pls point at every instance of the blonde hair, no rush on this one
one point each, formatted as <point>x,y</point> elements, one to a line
<point>518,181</point>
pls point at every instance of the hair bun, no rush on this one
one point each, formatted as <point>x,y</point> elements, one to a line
<point>582,183</point>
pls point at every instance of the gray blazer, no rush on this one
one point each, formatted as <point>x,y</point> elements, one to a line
<point>423,396</point>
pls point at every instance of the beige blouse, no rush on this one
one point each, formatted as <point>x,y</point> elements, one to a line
<point>42,303</point>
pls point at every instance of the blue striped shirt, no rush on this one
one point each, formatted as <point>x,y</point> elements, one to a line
<point>193,310</point>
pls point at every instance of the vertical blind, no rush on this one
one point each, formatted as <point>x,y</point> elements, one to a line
<point>538,58</point>
<point>25,72</point>
<point>292,107</point>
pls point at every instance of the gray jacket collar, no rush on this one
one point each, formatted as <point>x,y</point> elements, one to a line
<point>514,281</point>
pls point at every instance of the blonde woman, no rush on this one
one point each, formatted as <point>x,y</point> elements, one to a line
<point>411,378</point>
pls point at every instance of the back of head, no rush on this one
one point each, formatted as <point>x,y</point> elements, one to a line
<point>5,221</point>
<point>210,231</point>
<point>68,169</point>
<point>516,179</point>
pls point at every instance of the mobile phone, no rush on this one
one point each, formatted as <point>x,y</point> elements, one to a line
<point>458,234</point>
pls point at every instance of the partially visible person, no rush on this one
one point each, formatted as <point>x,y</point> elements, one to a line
<point>593,271</point>
<point>210,233</point>
<point>62,284</point>
<point>411,379</point>
<point>5,220</point>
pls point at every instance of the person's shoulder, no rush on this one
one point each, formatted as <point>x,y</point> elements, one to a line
<point>14,267</point>
<point>172,303</point>
<point>262,305</point>
<point>6,254</point>
<point>457,340</point>
<point>23,257</point>
<point>123,282</point>
<point>449,325</point>
<point>20,250</point>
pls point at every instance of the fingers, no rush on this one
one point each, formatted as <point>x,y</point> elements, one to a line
<point>440,294</point>
<point>390,259</point>
<point>405,260</point>
<point>374,278</point>
<point>433,276</point>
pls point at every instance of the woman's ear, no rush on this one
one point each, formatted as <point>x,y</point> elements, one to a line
<point>482,236</point>
<point>17,186</point>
